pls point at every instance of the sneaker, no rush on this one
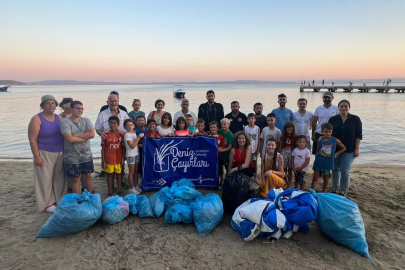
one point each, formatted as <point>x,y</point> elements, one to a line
<point>102,174</point>
<point>132,191</point>
<point>335,190</point>
<point>50,208</point>
<point>342,192</point>
<point>138,189</point>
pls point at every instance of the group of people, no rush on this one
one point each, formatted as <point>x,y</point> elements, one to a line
<point>281,139</point>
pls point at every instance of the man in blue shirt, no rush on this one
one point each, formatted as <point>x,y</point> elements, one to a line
<point>282,113</point>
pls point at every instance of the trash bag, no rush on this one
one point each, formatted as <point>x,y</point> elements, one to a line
<point>139,204</point>
<point>185,193</point>
<point>237,189</point>
<point>115,209</point>
<point>183,182</point>
<point>179,213</point>
<point>207,213</point>
<point>157,201</point>
<point>340,219</point>
<point>73,214</point>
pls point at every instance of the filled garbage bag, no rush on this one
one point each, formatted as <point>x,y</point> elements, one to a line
<point>184,193</point>
<point>157,201</point>
<point>340,219</point>
<point>183,182</point>
<point>115,209</point>
<point>179,213</point>
<point>237,189</point>
<point>73,214</point>
<point>207,213</point>
<point>139,204</point>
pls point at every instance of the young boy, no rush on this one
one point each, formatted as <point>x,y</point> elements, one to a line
<point>132,155</point>
<point>113,154</point>
<point>190,121</point>
<point>254,133</point>
<point>140,129</point>
<point>228,136</point>
<point>270,131</point>
<point>325,154</point>
<point>221,145</point>
<point>152,132</point>
<point>200,127</point>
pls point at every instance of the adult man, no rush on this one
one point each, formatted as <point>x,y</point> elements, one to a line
<point>303,120</point>
<point>210,111</point>
<point>321,115</point>
<point>184,111</point>
<point>77,157</point>
<point>105,107</point>
<point>282,113</point>
<point>261,120</point>
<point>237,118</point>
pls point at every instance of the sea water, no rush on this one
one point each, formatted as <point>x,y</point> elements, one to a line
<point>381,113</point>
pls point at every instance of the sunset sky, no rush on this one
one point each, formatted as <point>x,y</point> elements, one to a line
<point>155,41</point>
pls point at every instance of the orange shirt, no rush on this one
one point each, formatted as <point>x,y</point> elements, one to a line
<point>113,146</point>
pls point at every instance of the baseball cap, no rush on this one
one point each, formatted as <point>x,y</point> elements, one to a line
<point>48,97</point>
<point>327,94</point>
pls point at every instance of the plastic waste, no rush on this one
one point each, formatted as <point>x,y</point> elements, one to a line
<point>207,213</point>
<point>139,204</point>
<point>157,201</point>
<point>183,182</point>
<point>115,209</point>
<point>179,213</point>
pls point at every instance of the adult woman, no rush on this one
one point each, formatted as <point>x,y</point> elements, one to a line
<point>46,141</point>
<point>348,129</point>
<point>65,105</point>
<point>240,156</point>
<point>272,169</point>
<point>157,115</point>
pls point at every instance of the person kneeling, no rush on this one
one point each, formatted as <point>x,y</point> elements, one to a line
<point>241,155</point>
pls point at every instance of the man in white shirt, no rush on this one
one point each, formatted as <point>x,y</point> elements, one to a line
<point>101,124</point>
<point>321,115</point>
<point>303,120</point>
<point>184,111</point>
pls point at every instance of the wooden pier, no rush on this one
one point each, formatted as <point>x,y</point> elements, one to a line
<point>363,89</point>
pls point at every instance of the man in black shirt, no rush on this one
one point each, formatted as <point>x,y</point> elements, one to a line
<point>105,107</point>
<point>261,120</point>
<point>210,111</point>
<point>237,118</point>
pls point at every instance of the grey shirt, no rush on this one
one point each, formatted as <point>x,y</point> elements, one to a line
<point>76,153</point>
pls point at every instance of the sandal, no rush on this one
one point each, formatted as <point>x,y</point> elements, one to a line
<point>50,208</point>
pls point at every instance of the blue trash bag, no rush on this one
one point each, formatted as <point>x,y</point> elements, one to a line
<point>340,219</point>
<point>157,201</point>
<point>115,209</point>
<point>139,204</point>
<point>73,214</point>
<point>179,213</point>
<point>207,213</point>
<point>183,182</point>
<point>185,193</point>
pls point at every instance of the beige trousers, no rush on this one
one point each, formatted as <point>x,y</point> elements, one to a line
<point>49,183</point>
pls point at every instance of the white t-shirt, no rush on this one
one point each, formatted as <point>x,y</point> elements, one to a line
<point>303,123</point>
<point>267,133</point>
<point>324,114</point>
<point>180,113</point>
<point>102,120</point>
<point>130,152</point>
<point>164,131</point>
<point>254,137</point>
<point>300,156</point>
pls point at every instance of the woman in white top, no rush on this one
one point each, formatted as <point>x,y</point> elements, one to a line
<point>158,114</point>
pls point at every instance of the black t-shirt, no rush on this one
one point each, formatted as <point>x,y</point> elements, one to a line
<point>105,107</point>
<point>237,122</point>
<point>209,113</point>
<point>261,122</point>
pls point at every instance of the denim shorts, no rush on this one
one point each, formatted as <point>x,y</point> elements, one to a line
<point>75,170</point>
<point>132,160</point>
<point>322,171</point>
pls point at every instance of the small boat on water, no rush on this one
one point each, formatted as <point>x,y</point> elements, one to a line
<point>4,88</point>
<point>180,92</point>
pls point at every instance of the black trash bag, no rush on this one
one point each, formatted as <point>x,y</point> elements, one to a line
<point>237,189</point>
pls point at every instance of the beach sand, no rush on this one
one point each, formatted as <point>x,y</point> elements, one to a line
<point>147,243</point>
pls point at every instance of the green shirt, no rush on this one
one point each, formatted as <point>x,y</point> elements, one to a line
<point>228,140</point>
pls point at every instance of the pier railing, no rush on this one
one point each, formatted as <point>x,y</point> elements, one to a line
<point>364,89</point>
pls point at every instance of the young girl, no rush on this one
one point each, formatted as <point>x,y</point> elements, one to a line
<point>136,104</point>
<point>299,160</point>
<point>152,133</point>
<point>132,155</point>
<point>272,169</point>
<point>287,144</point>
<point>181,127</point>
<point>166,126</point>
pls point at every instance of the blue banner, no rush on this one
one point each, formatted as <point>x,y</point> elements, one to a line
<point>171,158</point>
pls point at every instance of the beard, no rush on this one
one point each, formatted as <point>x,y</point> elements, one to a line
<point>258,113</point>
<point>235,111</point>
<point>327,102</point>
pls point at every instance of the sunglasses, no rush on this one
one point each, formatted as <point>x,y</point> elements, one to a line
<point>114,92</point>
<point>136,99</point>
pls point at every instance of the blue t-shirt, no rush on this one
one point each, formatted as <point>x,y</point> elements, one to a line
<point>283,116</point>
<point>139,131</point>
<point>326,154</point>
<point>191,129</point>
<point>134,115</point>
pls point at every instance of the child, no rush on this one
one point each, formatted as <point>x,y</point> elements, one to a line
<point>254,134</point>
<point>325,155</point>
<point>269,132</point>
<point>200,127</point>
<point>181,127</point>
<point>299,160</point>
<point>221,146</point>
<point>136,104</point>
<point>228,136</point>
<point>166,126</point>
<point>152,133</point>
<point>287,144</point>
<point>132,155</point>
<point>140,129</point>
<point>113,154</point>
<point>190,121</point>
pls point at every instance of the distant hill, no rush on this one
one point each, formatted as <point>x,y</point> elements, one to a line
<point>73,82</point>
<point>11,82</point>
